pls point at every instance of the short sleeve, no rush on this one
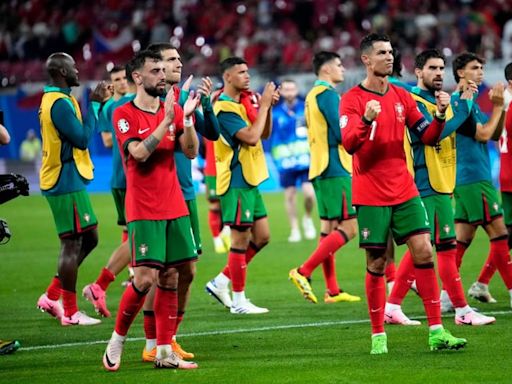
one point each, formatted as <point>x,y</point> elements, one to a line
<point>230,123</point>
<point>126,128</point>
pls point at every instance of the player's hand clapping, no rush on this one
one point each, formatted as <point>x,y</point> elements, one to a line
<point>267,96</point>
<point>102,92</point>
<point>496,95</point>
<point>276,95</point>
<point>191,104</point>
<point>442,101</point>
<point>206,86</point>
<point>169,106</point>
<point>468,89</point>
<point>373,108</point>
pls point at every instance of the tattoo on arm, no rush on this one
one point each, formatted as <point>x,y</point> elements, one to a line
<point>150,143</point>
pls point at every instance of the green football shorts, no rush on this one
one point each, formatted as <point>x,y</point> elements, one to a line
<point>477,203</point>
<point>506,201</point>
<point>161,243</point>
<point>119,197</point>
<point>403,220</point>
<point>440,215</point>
<point>194,223</point>
<point>72,213</point>
<point>334,198</point>
<point>211,188</point>
<point>242,206</point>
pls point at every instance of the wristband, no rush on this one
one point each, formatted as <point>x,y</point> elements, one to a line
<point>366,121</point>
<point>188,122</point>
<point>440,116</point>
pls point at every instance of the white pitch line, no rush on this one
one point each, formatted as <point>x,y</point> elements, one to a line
<point>234,331</point>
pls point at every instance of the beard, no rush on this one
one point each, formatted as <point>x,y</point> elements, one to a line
<point>432,87</point>
<point>154,91</point>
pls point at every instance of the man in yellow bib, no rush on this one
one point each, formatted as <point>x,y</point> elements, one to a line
<point>65,171</point>
<point>330,171</point>
<point>241,167</point>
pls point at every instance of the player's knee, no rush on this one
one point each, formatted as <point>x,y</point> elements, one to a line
<point>187,272</point>
<point>144,282</point>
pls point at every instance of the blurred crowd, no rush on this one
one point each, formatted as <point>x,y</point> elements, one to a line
<point>278,36</point>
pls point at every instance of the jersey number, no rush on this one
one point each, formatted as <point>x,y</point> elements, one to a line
<point>372,132</point>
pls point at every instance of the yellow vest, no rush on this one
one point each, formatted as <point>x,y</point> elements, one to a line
<point>318,137</point>
<point>251,158</point>
<point>440,159</point>
<point>51,165</point>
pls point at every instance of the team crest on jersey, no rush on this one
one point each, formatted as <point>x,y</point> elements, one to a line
<point>247,213</point>
<point>87,217</point>
<point>343,121</point>
<point>365,233</point>
<point>446,228</point>
<point>123,126</point>
<point>143,249</point>
<point>399,109</point>
<point>495,206</point>
<point>172,132</point>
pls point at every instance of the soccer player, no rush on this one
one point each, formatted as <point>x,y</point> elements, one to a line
<point>241,167</point>
<point>220,232</point>
<point>207,125</point>
<point>120,258</point>
<point>290,151</point>
<point>147,130</point>
<point>477,202</point>
<point>65,171</point>
<point>434,176</point>
<point>375,114</point>
<point>330,172</point>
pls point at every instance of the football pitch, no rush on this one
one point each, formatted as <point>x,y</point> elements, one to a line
<point>297,342</point>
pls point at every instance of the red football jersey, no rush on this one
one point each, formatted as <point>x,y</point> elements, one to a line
<point>209,166</point>
<point>380,175</point>
<point>506,154</point>
<point>152,188</point>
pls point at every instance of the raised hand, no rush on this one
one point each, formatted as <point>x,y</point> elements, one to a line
<point>191,104</point>
<point>468,90</point>
<point>206,87</point>
<point>276,95</point>
<point>373,108</point>
<point>187,83</point>
<point>169,105</point>
<point>102,92</point>
<point>267,96</point>
<point>442,101</point>
<point>496,95</point>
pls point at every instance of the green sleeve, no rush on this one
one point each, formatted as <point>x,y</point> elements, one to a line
<point>329,104</point>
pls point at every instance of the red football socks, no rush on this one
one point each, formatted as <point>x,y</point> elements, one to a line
<point>403,279</point>
<point>390,272</point>
<point>69,303</point>
<point>329,245</point>
<point>54,290</point>
<point>105,278</point>
<point>166,310</point>
<point>149,325</point>
<point>237,269</point>
<point>428,290</point>
<point>376,297</point>
<point>249,255</point>
<point>450,277</point>
<point>131,303</point>
<point>215,222</point>
<point>499,254</point>
<point>461,249</point>
<point>487,271</point>
<point>179,319</point>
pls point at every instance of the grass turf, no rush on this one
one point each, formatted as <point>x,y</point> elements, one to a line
<point>297,342</point>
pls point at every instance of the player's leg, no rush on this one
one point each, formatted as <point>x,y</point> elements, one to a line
<point>374,225</point>
<point>215,216</point>
<point>410,224</point>
<point>290,202</point>
<point>390,271</point>
<point>309,202</point>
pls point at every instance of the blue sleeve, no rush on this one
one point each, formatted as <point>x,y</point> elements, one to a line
<point>479,116</point>
<point>67,123</point>
<point>105,118</point>
<point>329,104</point>
<point>183,97</point>
<point>460,114</point>
<point>206,123</point>
<point>231,123</point>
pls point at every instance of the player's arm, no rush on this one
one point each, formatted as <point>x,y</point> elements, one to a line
<point>428,133</point>
<point>5,138</point>
<point>188,140</point>
<point>491,130</point>
<point>141,150</point>
<point>359,122</point>
<point>209,126</point>
<point>267,130</point>
<point>329,104</point>
<point>104,123</point>
<point>251,134</point>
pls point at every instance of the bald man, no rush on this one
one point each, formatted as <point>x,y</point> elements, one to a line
<point>65,171</point>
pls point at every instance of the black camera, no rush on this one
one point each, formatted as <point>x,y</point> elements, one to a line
<point>11,186</point>
<point>5,234</point>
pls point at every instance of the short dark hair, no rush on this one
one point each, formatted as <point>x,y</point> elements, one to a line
<point>129,69</point>
<point>508,72</point>
<point>323,57</point>
<point>230,62</point>
<point>137,62</point>
<point>117,68</point>
<point>462,60</point>
<point>368,40</point>
<point>159,47</point>
<point>397,63</point>
<point>422,58</point>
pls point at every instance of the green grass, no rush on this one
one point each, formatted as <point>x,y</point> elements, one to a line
<point>297,342</point>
